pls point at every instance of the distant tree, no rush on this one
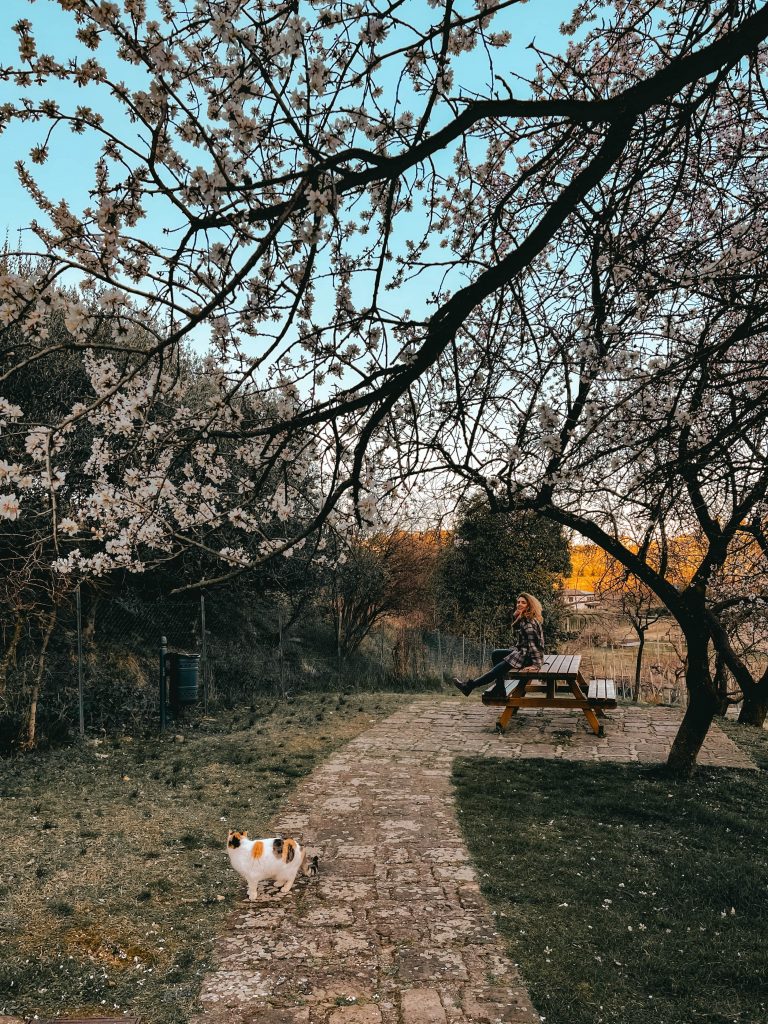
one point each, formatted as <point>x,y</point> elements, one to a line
<point>385,574</point>
<point>494,556</point>
<point>638,604</point>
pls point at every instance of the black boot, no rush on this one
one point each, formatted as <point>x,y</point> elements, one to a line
<point>497,692</point>
<point>466,688</point>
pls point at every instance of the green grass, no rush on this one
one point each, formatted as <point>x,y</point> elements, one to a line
<point>624,897</point>
<point>114,879</point>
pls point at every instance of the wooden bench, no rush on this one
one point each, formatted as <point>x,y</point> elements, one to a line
<point>538,688</point>
<point>603,691</point>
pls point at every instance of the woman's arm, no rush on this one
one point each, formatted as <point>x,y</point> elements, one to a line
<point>534,641</point>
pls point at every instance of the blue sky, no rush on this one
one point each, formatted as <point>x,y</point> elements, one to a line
<point>68,175</point>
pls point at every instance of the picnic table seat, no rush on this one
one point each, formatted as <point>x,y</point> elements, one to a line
<point>557,684</point>
<point>603,692</point>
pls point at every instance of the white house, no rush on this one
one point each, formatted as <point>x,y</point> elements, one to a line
<point>578,600</point>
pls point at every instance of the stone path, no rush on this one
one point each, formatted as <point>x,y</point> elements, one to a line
<point>394,930</point>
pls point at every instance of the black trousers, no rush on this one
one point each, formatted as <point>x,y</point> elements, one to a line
<point>499,670</point>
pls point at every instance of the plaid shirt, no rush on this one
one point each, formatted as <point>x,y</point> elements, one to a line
<point>527,645</point>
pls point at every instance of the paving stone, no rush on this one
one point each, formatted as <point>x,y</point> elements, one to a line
<point>347,942</point>
<point>396,921</point>
<point>428,965</point>
<point>349,868</point>
<point>355,1015</point>
<point>324,984</point>
<point>422,1006</point>
<point>456,874</point>
<point>345,890</point>
<point>498,1005</point>
<point>328,917</point>
<point>357,852</point>
<point>411,893</point>
<point>279,1015</point>
<point>238,988</point>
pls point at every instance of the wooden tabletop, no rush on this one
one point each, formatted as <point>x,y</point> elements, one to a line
<point>561,666</point>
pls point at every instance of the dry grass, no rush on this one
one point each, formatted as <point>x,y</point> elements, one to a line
<point>113,874</point>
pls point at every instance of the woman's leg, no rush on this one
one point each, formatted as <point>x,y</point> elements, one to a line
<point>498,671</point>
<point>500,655</point>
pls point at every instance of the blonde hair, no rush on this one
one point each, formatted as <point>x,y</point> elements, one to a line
<point>533,611</point>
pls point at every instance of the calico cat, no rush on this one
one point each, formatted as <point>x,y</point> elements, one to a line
<point>259,860</point>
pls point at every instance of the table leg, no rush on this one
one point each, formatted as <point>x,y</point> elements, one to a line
<point>582,684</point>
<point>580,690</point>
<point>519,691</point>
<point>591,717</point>
<point>504,717</point>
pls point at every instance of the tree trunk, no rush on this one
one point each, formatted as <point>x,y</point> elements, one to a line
<point>721,684</point>
<point>702,707</point>
<point>9,656</point>
<point>30,732</point>
<point>754,711</point>
<point>638,666</point>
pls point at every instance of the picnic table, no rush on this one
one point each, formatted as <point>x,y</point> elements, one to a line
<point>557,684</point>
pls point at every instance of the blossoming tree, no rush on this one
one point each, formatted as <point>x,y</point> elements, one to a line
<point>623,392</point>
<point>404,255</point>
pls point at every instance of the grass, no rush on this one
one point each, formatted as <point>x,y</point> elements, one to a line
<point>749,738</point>
<point>624,897</point>
<point>114,879</point>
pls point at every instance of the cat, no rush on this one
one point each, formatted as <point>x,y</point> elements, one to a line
<point>277,860</point>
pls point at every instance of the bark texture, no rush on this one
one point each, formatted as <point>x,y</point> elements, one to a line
<point>754,711</point>
<point>702,707</point>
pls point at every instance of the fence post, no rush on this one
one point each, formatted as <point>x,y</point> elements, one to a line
<point>80,700</point>
<point>439,655</point>
<point>282,660</point>
<point>204,652</point>
<point>163,653</point>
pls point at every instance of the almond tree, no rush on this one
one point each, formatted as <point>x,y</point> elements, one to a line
<point>624,389</point>
<point>634,440</point>
<point>318,170</point>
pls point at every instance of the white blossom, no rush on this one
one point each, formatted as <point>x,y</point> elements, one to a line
<point>10,507</point>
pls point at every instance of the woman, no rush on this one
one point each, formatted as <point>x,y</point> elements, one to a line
<point>527,649</point>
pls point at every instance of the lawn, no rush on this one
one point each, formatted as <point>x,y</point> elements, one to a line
<point>113,874</point>
<point>624,897</point>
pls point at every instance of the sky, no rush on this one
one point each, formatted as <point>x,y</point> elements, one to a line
<point>69,174</point>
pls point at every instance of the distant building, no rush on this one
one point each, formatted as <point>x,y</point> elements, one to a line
<point>578,600</point>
